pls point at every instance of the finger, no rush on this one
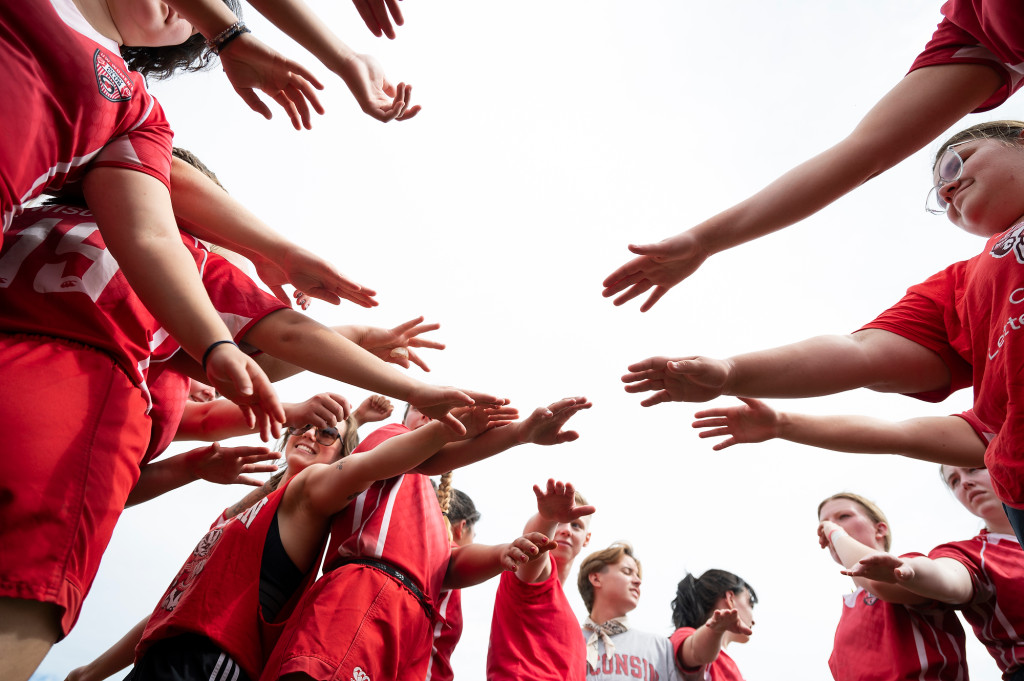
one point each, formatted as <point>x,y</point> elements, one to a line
<point>715,432</point>
<point>567,436</point>
<point>710,413</point>
<point>657,249</point>
<point>396,12</point>
<point>634,291</point>
<point>258,468</point>
<point>249,416</point>
<point>656,398</point>
<point>622,281</point>
<point>367,16</point>
<point>580,511</point>
<point>280,294</point>
<point>418,361</point>
<point>722,445</point>
<point>645,386</point>
<point>303,79</point>
<point>380,15</point>
<point>627,270</point>
<point>298,100</point>
<point>657,294</point>
<point>293,115</point>
<point>410,112</point>
<point>246,480</point>
<point>254,102</point>
<point>453,424</point>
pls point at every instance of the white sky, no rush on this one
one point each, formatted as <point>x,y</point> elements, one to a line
<point>552,135</point>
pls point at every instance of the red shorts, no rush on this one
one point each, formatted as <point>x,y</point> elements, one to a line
<point>74,431</point>
<point>354,623</point>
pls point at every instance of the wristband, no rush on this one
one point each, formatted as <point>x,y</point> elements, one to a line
<point>833,533</point>
<point>206,355</point>
<point>218,42</point>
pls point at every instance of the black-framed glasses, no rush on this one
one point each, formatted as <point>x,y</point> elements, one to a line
<point>324,436</point>
<point>949,167</point>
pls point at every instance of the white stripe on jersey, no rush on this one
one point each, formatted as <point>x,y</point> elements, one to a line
<point>386,521</point>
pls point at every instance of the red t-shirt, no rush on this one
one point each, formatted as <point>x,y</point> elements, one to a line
<point>980,32</point>
<point>880,641</point>
<point>58,279</point>
<point>69,100</point>
<point>217,592</point>
<point>722,669</point>
<point>397,521</point>
<point>971,313</point>
<point>534,634</point>
<point>996,609</point>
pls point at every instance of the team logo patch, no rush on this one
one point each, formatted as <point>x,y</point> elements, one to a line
<point>870,599</point>
<point>359,675</point>
<point>113,82</point>
<point>1011,242</point>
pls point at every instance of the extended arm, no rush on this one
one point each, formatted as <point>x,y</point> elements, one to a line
<point>542,427</point>
<point>133,211</point>
<point>705,643</point>
<point>476,563</point>
<point>556,503</point>
<point>941,579</point>
<point>824,365</point>
<point>947,440</point>
<point>228,465</point>
<point>848,551</point>
<point>220,419</point>
<point>921,107</point>
<point>208,212</point>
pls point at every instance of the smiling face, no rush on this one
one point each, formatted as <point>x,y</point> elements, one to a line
<point>988,197</point>
<point>303,450</point>
<point>617,586</point>
<point>148,23</point>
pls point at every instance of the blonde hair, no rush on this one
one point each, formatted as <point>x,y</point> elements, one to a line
<point>444,492</point>
<point>871,510</point>
<point>598,561</point>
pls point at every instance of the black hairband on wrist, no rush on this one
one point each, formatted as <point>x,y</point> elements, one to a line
<point>218,42</point>
<point>206,355</point>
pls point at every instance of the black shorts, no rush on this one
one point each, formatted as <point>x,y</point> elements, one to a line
<point>187,657</point>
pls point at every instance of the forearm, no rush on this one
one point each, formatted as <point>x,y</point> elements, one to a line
<point>161,477</point>
<point>331,490</point>
<point>212,421</point>
<point>465,452</point>
<point>208,212</point>
<point>474,564</point>
<point>537,568</point>
<point>826,365</point>
<point>945,580</point>
<point>701,647</point>
<point>138,229</point>
<point>299,22</point>
<point>294,338</point>
<point>908,118</point>
<point>115,658</point>
<point>947,440</point>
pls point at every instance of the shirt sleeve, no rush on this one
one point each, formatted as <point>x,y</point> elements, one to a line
<point>146,147</point>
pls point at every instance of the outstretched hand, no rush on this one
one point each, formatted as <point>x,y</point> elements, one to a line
<point>661,265</point>
<point>251,65</point>
<point>525,549</point>
<point>755,421</point>
<point>557,502</point>
<point>728,620</point>
<point>483,417</point>
<point>544,425</point>
<point>375,16</point>
<point>325,410</point>
<point>377,97</point>
<point>688,379</point>
<point>313,276</point>
<point>396,345</point>
<point>881,567</point>
<point>373,409</point>
<point>237,377</point>
<point>229,465</point>
<point>437,402</point>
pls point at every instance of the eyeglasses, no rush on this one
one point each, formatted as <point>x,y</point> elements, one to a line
<point>949,167</point>
<point>324,436</point>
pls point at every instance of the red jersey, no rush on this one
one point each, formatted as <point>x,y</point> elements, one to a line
<point>397,521</point>
<point>879,641</point>
<point>217,592</point>
<point>722,669</point>
<point>996,609</point>
<point>446,636</point>
<point>534,634</point>
<point>58,279</point>
<point>980,32</point>
<point>973,309</point>
<point>69,100</point>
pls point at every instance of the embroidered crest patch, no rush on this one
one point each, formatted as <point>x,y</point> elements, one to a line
<point>113,83</point>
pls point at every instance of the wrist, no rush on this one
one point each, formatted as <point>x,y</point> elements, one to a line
<point>836,532</point>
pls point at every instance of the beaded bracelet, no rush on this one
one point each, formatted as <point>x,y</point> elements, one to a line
<point>218,42</point>
<point>206,355</point>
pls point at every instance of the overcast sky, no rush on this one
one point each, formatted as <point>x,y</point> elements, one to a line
<point>552,135</point>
